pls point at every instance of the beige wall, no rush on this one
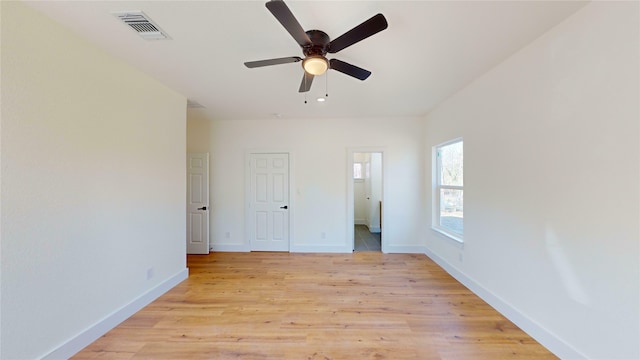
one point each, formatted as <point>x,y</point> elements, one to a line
<point>551,142</point>
<point>93,183</point>
<point>92,187</point>
<point>198,127</point>
<point>319,179</point>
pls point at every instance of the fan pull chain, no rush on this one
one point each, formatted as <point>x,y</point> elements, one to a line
<point>326,84</point>
<point>305,86</point>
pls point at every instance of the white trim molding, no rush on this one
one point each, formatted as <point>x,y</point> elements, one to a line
<point>320,249</point>
<point>545,337</point>
<point>404,249</point>
<point>82,340</point>
<point>230,248</point>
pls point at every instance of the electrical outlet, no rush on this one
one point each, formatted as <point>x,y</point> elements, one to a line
<point>323,235</point>
<point>227,235</point>
<point>150,273</point>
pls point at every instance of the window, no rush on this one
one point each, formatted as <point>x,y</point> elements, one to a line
<point>357,171</point>
<point>448,190</point>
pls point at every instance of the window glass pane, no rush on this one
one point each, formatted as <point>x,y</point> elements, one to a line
<point>451,210</point>
<point>451,164</point>
<point>357,170</point>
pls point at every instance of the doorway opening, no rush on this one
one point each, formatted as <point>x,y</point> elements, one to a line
<point>366,200</point>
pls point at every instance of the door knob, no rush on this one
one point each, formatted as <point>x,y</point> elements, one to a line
<point>284,207</point>
<point>203,208</point>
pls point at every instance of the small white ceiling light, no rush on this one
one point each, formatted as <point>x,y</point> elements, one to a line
<point>315,65</point>
<point>321,99</point>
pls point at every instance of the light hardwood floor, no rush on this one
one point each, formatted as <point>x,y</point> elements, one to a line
<point>364,305</point>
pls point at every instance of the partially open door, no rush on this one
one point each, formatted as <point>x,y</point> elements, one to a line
<point>198,203</point>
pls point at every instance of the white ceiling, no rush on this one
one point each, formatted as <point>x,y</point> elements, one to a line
<point>430,50</point>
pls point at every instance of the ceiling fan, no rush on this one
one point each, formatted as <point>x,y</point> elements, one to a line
<point>316,44</point>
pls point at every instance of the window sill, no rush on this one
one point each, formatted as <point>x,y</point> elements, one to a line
<point>448,234</point>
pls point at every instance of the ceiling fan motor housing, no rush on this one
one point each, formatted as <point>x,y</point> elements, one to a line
<point>319,43</point>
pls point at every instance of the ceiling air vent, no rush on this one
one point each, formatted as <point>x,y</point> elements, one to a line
<point>142,24</point>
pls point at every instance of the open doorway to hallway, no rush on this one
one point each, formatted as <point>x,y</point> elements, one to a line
<point>365,240</point>
<point>367,201</point>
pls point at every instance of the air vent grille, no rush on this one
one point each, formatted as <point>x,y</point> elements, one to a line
<point>142,24</point>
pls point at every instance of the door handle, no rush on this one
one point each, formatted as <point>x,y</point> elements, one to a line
<point>203,208</point>
<point>284,207</point>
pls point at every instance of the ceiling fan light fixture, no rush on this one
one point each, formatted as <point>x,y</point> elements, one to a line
<point>316,44</point>
<point>315,65</point>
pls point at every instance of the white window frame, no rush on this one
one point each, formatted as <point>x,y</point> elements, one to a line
<point>437,186</point>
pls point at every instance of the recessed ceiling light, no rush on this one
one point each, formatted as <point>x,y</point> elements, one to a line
<point>321,99</point>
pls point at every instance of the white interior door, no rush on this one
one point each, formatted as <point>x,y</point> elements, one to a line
<point>375,193</point>
<point>198,204</point>
<point>269,202</point>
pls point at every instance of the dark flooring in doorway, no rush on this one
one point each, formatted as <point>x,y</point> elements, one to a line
<point>365,240</point>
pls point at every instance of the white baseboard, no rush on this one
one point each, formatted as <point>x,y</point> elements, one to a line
<point>82,340</point>
<point>403,249</point>
<point>359,222</point>
<point>320,249</point>
<point>230,248</point>
<point>293,248</point>
<point>528,325</point>
<point>373,229</point>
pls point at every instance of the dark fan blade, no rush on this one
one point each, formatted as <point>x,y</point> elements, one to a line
<point>351,70</point>
<point>259,63</point>
<point>280,10</point>
<point>305,85</point>
<point>370,27</point>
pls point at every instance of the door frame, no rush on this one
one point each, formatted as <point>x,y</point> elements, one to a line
<point>350,194</point>
<point>247,192</point>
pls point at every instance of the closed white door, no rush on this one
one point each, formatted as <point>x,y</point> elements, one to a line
<point>269,202</point>
<point>198,204</point>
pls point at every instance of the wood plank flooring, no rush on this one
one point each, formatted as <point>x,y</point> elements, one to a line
<point>364,305</point>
